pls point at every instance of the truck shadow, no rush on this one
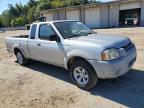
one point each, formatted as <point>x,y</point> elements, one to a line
<point>51,70</point>
<point>127,90</point>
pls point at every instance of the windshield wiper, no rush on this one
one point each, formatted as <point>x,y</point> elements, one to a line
<point>78,35</point>
<point>86,34</point>
<point>73,36</point>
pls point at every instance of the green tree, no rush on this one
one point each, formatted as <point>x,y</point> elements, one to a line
<point>1,21</point>
<point>13,11</point>
<point>20,21</point>
<point>31,14</point>
<point>58,3</point>
<point>7,17</point>
<point>44,4</point>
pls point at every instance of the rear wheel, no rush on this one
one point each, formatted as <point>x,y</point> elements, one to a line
<point>83,75</point>
<point>21,59</point>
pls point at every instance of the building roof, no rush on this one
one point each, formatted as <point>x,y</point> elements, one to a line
<point>87,5</point>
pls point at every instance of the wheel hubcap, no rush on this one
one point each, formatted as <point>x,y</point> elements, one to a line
<point>81,75</point>
<point>20,58</point>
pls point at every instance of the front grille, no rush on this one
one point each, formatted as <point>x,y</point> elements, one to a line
<point>128,47</point>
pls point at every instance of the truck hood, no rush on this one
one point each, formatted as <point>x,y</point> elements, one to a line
<point>106,41</point>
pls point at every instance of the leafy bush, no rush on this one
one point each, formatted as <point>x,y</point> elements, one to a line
<point>19,21</point>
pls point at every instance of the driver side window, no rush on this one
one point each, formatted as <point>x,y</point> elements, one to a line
<point>45,31</point>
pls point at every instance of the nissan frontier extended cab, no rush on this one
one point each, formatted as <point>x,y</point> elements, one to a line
<point>72,45</point>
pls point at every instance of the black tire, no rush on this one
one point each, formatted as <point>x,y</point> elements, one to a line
<point>23,60</point>
<point>92,76</point>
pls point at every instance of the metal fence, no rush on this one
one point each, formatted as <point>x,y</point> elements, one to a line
<point>13,28</point>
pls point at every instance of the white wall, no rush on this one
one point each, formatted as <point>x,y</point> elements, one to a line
<point>92,17</point>
<point>73,15</point>
<point>114,15</point>
<point>142,14</point>
<point>49,16</point>
<point>130,5</point>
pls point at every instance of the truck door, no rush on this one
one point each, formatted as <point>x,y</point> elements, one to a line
<point>46,50</point>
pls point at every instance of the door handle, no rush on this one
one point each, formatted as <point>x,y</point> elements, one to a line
<point>38,44</point>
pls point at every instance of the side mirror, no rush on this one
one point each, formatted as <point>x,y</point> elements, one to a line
<point>54,38</point>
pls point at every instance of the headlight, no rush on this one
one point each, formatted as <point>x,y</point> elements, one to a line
<point>110,54</point>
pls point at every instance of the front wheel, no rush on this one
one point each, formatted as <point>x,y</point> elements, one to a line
<point>21,59</point>
<point>83,75</point>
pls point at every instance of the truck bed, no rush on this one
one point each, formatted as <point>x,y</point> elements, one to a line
<point>16,41</point>
<point>21,36</point>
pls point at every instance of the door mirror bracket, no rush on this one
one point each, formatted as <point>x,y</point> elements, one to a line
<point>54,38</point>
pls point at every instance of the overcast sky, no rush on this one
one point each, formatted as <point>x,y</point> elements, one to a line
<point>4,3</point>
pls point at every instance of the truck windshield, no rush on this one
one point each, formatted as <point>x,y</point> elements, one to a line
<point>71,29</point>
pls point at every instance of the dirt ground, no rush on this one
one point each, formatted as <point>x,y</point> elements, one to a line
<point>40,85</point>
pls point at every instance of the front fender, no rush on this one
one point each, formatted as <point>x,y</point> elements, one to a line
<point>77,53</point>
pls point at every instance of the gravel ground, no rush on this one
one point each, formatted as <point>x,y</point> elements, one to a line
<point>40,85</point>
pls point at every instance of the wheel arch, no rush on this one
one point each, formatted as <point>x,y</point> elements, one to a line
<point>17,49</point>
<point>75,58</point>
<point>93,78</point>
<point>76,54</point>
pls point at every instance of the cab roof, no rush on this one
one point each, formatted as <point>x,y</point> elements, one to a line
<point>52,21</point>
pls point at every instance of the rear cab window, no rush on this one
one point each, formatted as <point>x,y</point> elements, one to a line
<point>33,31</point>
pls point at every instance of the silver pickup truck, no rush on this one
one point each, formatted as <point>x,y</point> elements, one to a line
<point>72,45</point>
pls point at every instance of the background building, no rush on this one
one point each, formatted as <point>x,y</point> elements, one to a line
<point>102,15</point>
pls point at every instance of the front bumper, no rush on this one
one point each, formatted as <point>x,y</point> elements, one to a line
<point>114,68</point>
